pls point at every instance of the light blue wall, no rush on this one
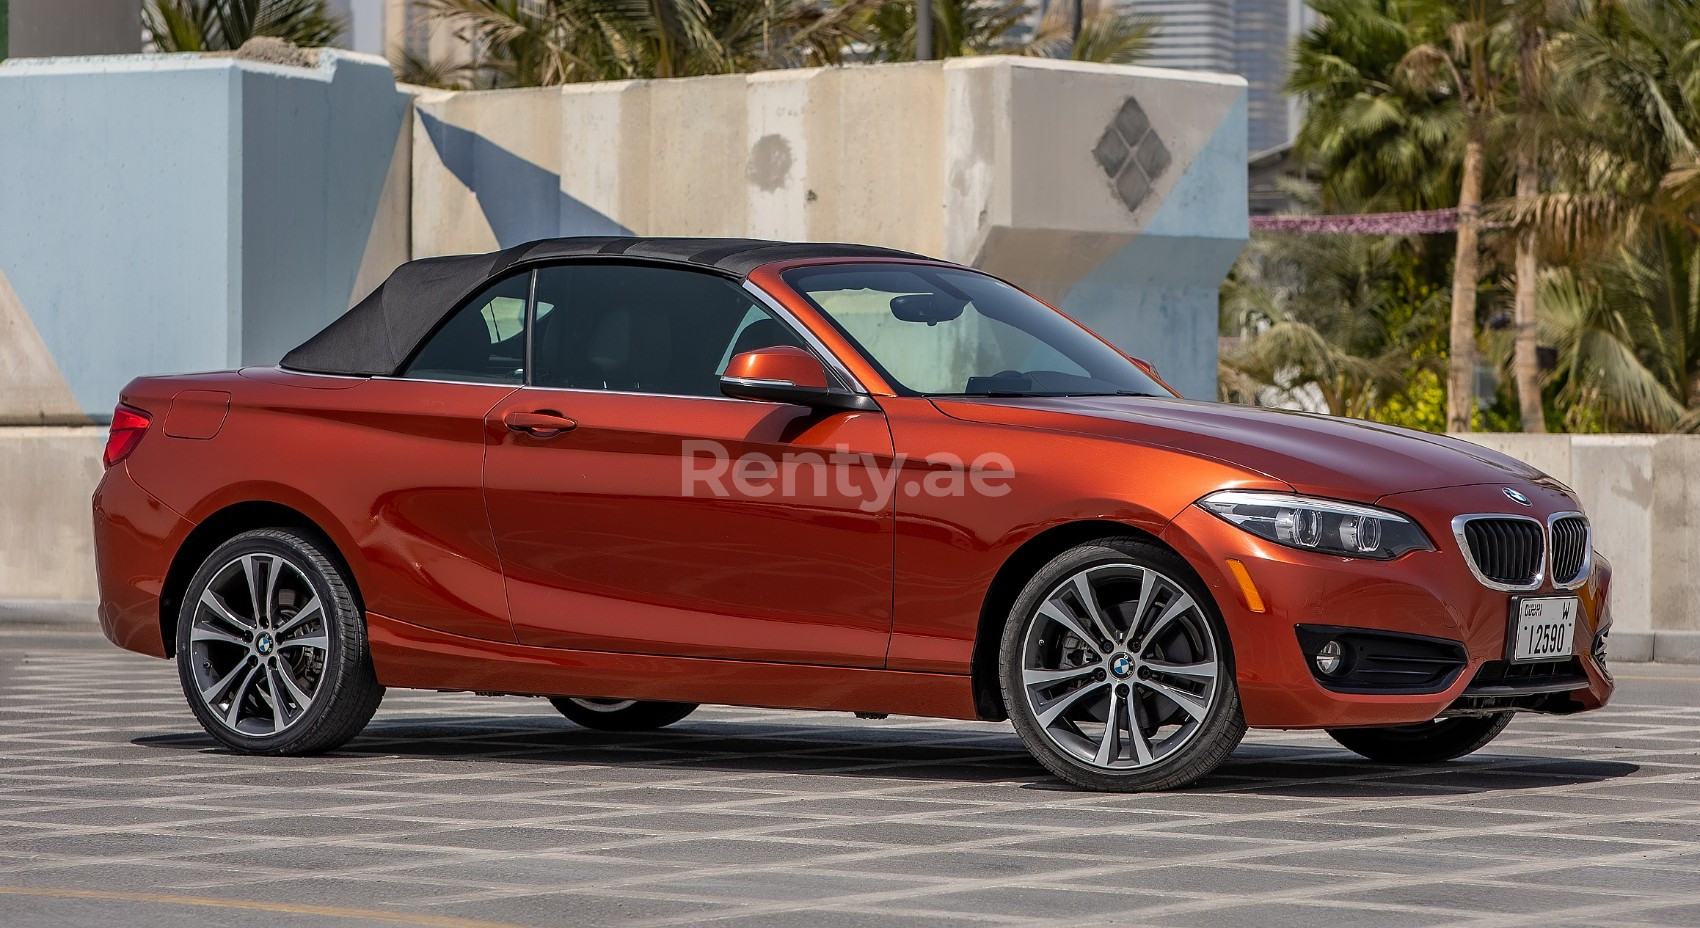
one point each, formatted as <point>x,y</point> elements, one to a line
<point>117,208</point>
<point>314,156</point>
<point>1157,297</point>
<point>176,213</point>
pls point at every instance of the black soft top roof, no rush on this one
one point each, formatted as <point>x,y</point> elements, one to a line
<point>379,334</point>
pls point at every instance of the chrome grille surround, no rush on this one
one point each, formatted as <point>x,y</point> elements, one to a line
<point>1570,547</point>
<point>1504,551</point>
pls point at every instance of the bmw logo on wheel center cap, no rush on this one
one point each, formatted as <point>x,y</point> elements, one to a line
<point>264,644</point>
<point>1121,665</point>
<point>1515,496</point>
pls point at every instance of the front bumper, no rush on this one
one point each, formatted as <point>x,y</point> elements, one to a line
<point>1429,593</point>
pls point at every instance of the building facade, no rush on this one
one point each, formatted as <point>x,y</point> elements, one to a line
<point>1252,38</point>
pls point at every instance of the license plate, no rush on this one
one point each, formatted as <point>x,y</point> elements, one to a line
<point>1544,629</point>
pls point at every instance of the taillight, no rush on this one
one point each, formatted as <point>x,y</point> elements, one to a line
<point>128,426</point>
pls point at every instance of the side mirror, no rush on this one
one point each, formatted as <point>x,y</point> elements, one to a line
<point>786,374</point>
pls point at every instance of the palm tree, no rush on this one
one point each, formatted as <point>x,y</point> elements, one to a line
<point>1532,22</point>
<point>527,43</point>
<point>1468,65</point>
<point>1112,35</point>
<point>1628,335</point>
<point>1626,211</point>
<point>222,25</point>
<point>1326,322</point>
<point>1374,140</point>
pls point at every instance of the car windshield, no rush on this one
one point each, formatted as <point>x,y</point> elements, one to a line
<point>943,332</point>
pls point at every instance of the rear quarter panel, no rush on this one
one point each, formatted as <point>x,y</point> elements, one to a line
<point>390,470</point>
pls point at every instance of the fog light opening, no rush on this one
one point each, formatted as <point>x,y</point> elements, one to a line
<point>1330,658</point>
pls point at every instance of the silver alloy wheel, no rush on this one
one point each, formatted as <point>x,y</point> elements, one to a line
<point>1119,666</point>
<point>258,644</point>
<point>604,705</point>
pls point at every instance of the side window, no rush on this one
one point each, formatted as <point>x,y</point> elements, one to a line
<point>483,342</point>
<point>639,329</point>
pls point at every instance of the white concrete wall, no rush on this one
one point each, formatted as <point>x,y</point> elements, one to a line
<point>993,162</point>
<point>1642,496</point>
<point>1641,492</point>
<point>47,475</point>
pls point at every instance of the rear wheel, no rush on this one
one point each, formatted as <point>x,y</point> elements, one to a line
<point>621,714</point>
<point>1117,671</point>
<point>271,646</point>
<point>1425,742</point>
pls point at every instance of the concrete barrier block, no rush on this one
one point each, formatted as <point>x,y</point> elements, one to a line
<point>1613,475</point>
<point>170,213</point>
<point>47,476</point>
<point>1629,647</point>
<point>1676,646</point>
<point>1675,534</point>
<point>1551,454</point>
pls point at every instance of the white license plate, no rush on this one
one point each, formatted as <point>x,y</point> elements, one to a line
<point>1545,628</point>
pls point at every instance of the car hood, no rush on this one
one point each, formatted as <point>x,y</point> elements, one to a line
<point>1324,455</point>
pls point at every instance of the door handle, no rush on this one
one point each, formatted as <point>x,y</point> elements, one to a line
<point>544,423</point>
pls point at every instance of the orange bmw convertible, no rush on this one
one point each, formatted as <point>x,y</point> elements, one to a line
<point>635,475</point>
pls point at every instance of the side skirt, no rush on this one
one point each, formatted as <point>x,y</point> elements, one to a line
<point>421,658</point>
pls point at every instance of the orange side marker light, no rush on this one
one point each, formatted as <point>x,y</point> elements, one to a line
<point>1253,599</point>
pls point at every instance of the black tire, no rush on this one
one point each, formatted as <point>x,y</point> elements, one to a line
<point>319,650</point>
<point>621,714</point>
<point>1426,742</point>
<point>1211,729</point>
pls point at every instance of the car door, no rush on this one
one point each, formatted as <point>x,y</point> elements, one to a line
<point>636,509</point>
<point>420,439</point>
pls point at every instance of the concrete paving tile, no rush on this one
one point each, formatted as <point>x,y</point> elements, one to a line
<point>723,851</point>
<point>784,885</point>
<point>1676,916</point>
<point>841,919</point>
<point>971,865</point>
<point>1035,902</point>
<point>437,810</point>
<point>1454,896</point>
<point>542,872</point>
<point>521,838</point>
<point>1288,915</point>
<point>1305,829</point>
<point>1523,844</point>
<point>575,909</point>
<point>903,834</point>
<point>1135,846</point>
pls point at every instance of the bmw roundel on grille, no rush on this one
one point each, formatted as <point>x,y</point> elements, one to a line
<point>1515,496</point>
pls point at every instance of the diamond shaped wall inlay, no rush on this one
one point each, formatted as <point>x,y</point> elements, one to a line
<point>1130,152</point>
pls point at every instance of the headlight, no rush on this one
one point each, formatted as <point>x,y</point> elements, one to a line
<point>1325,525</point>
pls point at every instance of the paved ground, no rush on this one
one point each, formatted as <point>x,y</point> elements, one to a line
<point>457,811</point>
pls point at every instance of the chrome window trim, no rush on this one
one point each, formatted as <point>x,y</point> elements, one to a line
<point>1458,523</point>
<point>1587,547</point>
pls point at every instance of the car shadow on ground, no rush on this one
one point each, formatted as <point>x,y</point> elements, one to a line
<point>697,747</point>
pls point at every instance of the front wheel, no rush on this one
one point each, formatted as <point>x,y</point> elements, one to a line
<point>621,714</point>
<point>271,647</point>
<point>1117,671</point>
<point>1425,742</point>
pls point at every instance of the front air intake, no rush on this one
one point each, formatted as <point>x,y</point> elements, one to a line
<point>1569,550</point>
<point>1506,552</point>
